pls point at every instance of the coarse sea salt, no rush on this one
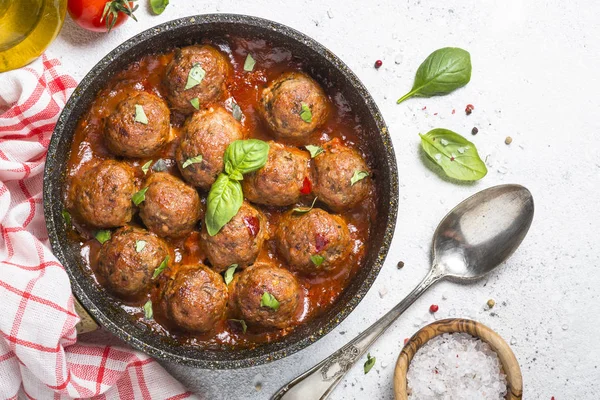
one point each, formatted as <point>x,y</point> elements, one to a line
<point>456,366</point>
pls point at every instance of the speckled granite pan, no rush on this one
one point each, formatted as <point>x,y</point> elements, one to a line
<point>323,65</point>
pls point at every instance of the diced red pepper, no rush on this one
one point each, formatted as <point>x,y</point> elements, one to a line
<point>253,225</point>
<point>306,186</point>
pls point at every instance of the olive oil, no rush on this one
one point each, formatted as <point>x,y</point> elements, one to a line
<point>27,27</point>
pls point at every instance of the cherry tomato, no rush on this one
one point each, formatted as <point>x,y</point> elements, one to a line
<point>101,15</point>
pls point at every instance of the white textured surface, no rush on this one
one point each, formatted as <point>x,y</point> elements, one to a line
<point>535,78</point>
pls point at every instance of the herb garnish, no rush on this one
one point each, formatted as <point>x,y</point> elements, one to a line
<point>67,217</point>
<point>103,236</point>
<point>306,113</point>
<point>158,6</point>
<point>304,210</point>
<point>242,323</point>
<point>358,176</point>
<point>369,363</point>
<point>193,160</point>
<point>314,150</point>
<point>139,196</point>
<point>159,166</point>
<point>195,102</point>
<point>140,115</point>
<point>317,259</point>
<point>229,273</point>
<point>249,63</point>
<point>268,300</point>
<point>146,167</point>
<point>148,313</point>
<point>236,111</point>
<point>161,267</point>
<point>195,76</point>
<point>139,245</point>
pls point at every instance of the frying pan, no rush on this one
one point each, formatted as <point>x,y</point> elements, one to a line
<point>321,64</point>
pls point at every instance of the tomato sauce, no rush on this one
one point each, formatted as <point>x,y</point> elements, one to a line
<point>319,291</point>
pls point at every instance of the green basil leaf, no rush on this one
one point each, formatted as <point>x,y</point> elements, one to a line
<point>268,300</point>
<point>193,160</point>
<point>241,322</point>
<point>159,166</point>
<point>358,176</point>
<point>158,6</point>
<point>249,63</point>
<point>229,273</point>
<point>314,150</point>
<point>195,76</point>
<point>103,236</point>
<point>317,259</point>
<point>456,155</point>
<point>444,71</point>
<point>245,156</point>
<point>140,196</point>
<point>146,167</point>
<point>306,113</point>
<point>67,217</point>
<point>161,267</point>
<point>148,313</point>
<point>139,245</point>
<point>140,115</point>
<point>224,201</point>
<point>236,111</point>
<point>236,175</point>
<point>195,102</point>
<point>369,363</point>
<point>304,210</point>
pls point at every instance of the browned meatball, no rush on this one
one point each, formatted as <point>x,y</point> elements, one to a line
<point>279,182</point>
<point>127,271</point>
<point>171,208</point>
<point>316,233</point>
<point>249,288</point>
<point>102,194</point>
<point>196,299</point>
<point>207,133</point>
<point>238,242</point>
<point>332,176</point>
<point>126,137</point>
<point>212,86</point>
<point>281,105</point>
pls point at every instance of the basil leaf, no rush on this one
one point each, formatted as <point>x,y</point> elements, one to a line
<point>140,115</point>
<point>158,6</point>
<point>140,196</point>
<point>304,210</point>
<point>317,259</point>
<point>139,245</point>
<point>236,111</point>
<point>444,71</point>
<point>369,363</point>
<point>161,267</point>
<point>193,160</point>
<point>245,156</point>
<point>243,323</point>
<point>148,313</point>
<point>67,217</point>
<point>103,236</point>
<point>195,102</point>
<point>249,63</point>
<point>146,167</point>
<point>159,166</point>
<point>456,155</point>
<point>224,201</point>
<point>314,150</point>
<point>268,300</point>
<point>229,273</point>
<point>237,175</point>
<point>358,176</point>
<point>305,113</point>
<point>195,76</point>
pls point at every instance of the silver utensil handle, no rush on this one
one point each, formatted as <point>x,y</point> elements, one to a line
<point>319,381</point>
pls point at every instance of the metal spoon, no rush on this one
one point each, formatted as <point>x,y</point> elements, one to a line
<point>472,240</point>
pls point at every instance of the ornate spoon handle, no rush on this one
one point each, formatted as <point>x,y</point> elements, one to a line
<point>319,381</point>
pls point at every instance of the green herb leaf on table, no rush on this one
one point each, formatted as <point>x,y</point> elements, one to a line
<point>304,210</point>
<point>306,113</point>
<point>140,196</point>
<point>193,160</point>
<point>229,273</point>
<point>195,102</point>
<point>268,300</point>
<point>358,176</point>
<point>249,63</point>
<point>314,150</point>
<point>163,265</point>
<point>140,115</point>
<point>139,245</point>
<point>245,156</point>
<point>236,111</point>
<point>224,201</point>
<point>317,259</point>
<point>103,236</point>
<point>242,323</point>
<point>67,217</point>
<point>148,313</point>
<point>456,155</point>
<point>146,167</point>
<point>369,363</point>
<point>158,6</point>
<point>444,71</point>
<point>195,76</point>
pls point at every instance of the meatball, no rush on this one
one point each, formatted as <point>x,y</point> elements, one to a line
<point>126,137</point>
<point>313,242</point>
<point>280,181</point>
<point>102,194</point>
<point>196,298</point>
<point>211,87</point>
<point>171,208</point>
<point>128,260</point>
<point>238,242</point>
<point>284,105</point>
<point>207,133</point>
<point>250,286</point>
<point>332,176</point>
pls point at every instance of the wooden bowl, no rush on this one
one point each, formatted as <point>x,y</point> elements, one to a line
<point>510,365</point>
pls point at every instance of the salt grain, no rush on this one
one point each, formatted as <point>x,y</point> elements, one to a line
<point>456,366</point>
